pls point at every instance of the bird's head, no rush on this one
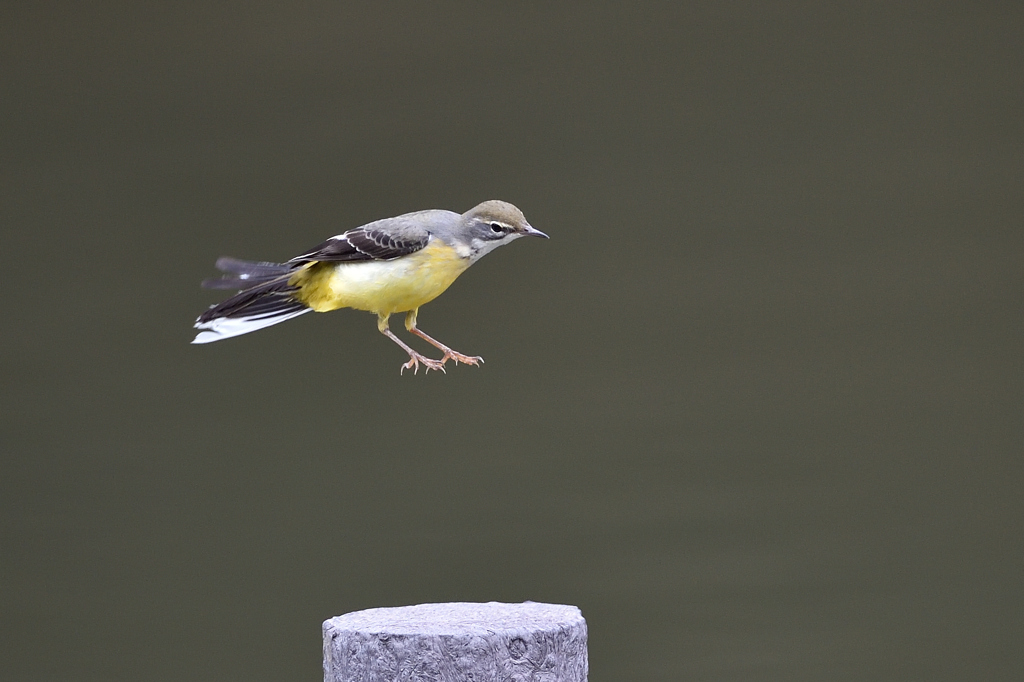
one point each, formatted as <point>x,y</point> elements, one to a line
<point>494,223</point>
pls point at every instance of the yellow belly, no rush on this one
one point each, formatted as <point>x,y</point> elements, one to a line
<point>381,287</point>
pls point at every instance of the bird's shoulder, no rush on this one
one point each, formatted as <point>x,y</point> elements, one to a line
<point>382,239</point>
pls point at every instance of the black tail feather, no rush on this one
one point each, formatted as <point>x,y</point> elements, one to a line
<point>271,297</point>
<point>245,274</point>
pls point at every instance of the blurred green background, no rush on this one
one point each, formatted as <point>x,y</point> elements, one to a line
<point>756,407</point>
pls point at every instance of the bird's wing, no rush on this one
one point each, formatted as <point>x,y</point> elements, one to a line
<point>369,242</point>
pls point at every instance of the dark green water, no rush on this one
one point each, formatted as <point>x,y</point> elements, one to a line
<point>756,406</point>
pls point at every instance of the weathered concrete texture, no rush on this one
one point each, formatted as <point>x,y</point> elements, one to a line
<point>458,642</point>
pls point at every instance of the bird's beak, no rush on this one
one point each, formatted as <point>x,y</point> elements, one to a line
<point>530,231</point>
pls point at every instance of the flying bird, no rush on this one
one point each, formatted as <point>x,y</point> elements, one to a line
<point>394,265</point>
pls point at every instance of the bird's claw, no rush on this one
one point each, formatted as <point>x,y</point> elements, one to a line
<point>455,357</point>
<point>414,364</point>
<point>415,360</point>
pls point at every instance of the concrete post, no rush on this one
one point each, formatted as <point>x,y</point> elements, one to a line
<point>457,642</point>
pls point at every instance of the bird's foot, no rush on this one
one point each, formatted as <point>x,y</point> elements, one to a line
<point>414,363</point>
<point>457,357</point>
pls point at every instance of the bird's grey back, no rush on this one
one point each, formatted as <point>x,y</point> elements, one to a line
<point>416,225</point>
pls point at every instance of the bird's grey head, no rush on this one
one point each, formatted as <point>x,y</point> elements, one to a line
<point>494,223</point>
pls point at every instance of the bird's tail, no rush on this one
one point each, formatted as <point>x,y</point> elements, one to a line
<point>265,299</point>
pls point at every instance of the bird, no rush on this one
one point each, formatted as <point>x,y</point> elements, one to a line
<point>394,265</point>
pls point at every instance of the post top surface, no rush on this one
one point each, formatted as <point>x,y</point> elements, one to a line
<point>458,618</point>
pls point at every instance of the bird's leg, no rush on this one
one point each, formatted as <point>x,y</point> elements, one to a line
<point>449,354</point>
<point>414,358</point>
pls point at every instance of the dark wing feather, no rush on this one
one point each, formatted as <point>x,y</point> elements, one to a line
<point>363,243</point>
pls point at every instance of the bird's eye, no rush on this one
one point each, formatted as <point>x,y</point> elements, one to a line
<point>497,228</point>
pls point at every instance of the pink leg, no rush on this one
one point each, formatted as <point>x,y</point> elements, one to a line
<point>449,354</point>
<point>414,358</point>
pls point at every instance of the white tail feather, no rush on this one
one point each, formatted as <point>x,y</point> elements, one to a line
<point>226,327</point>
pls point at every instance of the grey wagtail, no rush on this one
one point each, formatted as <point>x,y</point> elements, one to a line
<point>389,266</point>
